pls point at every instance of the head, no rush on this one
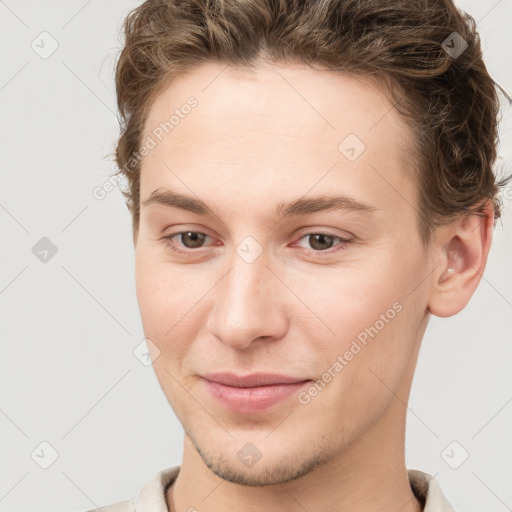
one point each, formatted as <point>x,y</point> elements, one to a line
<point>308,182</point>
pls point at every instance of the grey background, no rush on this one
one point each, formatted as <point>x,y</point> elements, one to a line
<point>70,325</point>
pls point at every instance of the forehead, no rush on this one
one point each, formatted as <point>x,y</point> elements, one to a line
<point>279,128</point>
<point>279,94</point>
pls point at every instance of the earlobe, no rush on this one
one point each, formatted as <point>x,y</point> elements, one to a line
<point>461,251</point>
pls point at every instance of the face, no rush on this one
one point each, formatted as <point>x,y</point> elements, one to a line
<point>278,235</point>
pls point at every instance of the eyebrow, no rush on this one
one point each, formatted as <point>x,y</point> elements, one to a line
<point>301,206</point>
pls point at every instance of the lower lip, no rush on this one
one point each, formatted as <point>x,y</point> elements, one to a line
<point>252,400</point>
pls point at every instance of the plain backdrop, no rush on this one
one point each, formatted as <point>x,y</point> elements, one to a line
<point>72,389</point>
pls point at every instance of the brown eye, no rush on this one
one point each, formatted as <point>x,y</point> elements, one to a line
<point>320,242</point>
<point>188,241</point>
<point>192,239</point>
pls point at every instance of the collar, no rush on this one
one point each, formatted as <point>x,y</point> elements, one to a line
<point>151,496</point>
<point>428,492</point>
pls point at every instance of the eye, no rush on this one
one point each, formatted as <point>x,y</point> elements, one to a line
<point>189,239</point>
<point>321,242</point>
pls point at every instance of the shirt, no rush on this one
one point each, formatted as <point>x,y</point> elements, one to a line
<point>151,496</point>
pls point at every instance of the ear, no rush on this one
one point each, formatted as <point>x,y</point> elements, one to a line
<point>460,253</point>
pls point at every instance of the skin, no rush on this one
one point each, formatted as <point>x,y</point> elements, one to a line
<point>252,142</point>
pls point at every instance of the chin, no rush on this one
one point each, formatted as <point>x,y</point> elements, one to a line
<point>250,467</point>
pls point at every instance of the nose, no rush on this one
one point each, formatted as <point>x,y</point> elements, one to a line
<point>248,305</point>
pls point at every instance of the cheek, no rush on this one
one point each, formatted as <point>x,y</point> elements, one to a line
<point>349,299</point>
<point>168,301</point>
<point>374,308</point>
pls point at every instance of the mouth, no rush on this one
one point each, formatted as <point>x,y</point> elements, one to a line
<point>252,393</point>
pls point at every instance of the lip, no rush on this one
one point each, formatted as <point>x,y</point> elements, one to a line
<point>252,380</point>
<point>252,393</point>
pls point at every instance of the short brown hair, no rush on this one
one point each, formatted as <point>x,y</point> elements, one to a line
<point>449,101</point>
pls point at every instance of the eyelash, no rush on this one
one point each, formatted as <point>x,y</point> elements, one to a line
<point>341,246</point>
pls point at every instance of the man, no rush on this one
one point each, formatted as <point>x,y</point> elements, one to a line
<point>309,182</point>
